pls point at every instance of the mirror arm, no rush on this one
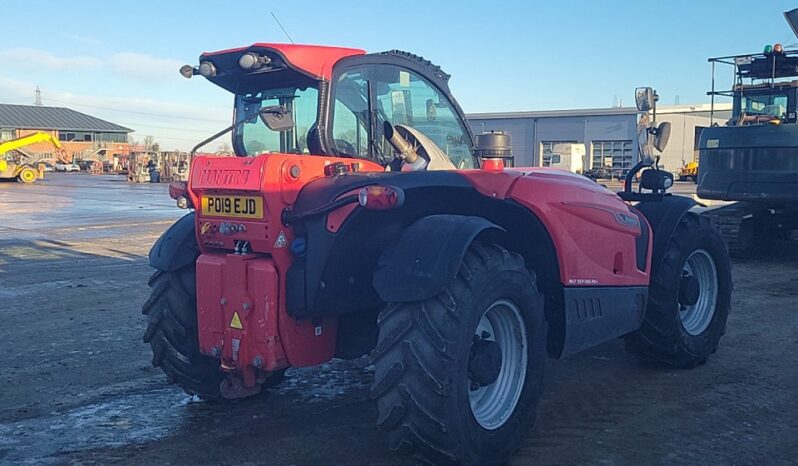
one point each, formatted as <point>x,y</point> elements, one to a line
<point>630,176</point>
<point>216,135</point>
<point>209,139</point>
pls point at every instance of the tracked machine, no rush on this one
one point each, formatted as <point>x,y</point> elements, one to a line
<point>357,220</point>
<point>752,159</point>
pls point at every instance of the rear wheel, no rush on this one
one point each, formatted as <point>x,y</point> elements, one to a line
<point>27,175</point>
<point>458,376</point>
<point>172,334</point>
<point>689,298</point>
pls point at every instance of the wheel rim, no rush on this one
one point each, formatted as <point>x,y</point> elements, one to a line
<point>697,317</point>
<point>493,404</point>
<point>28,176</point>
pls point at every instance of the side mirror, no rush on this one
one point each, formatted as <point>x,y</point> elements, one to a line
<point>277,118</point>
<point>645,98</point>
<point>662,135</point>
<point>656,180</point>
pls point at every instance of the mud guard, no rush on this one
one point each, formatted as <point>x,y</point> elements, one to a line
<point>664,216</point>
<point>177,246</point>
<point>426,256</point>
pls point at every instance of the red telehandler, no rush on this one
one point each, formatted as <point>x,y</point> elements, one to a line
<point>357,220</point>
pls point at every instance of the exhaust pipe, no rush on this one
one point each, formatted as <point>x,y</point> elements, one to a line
<point>405,150</point>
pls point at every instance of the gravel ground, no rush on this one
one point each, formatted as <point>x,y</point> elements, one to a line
<point>78,386</point>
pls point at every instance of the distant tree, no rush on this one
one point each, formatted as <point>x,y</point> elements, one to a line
<point>224,148</point>
<point>149,142</point>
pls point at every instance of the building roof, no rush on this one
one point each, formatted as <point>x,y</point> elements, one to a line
<point>555,113</point>
<point>59,118</point>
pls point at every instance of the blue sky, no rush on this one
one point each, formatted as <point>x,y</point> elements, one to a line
<point>119,60</point>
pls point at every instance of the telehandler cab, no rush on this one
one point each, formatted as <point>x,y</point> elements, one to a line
<point>356,219</point>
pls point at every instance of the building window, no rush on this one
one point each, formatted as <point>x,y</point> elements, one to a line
<point>7,134</point>
<point>75,136</point>
<point>549,152</point>
<point>110,137</point>
<point>615,155</point>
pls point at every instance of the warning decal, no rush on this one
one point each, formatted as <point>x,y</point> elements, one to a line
<point>281,241</point>
<point>235,322</point>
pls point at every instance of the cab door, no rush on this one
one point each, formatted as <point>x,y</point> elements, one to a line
<point>366,95</point>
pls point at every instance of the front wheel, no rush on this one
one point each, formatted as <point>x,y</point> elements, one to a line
<point>27,175</point>
<point>458,376</point>
<point>689,298</point>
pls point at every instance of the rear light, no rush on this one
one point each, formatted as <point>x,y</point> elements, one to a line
<point>178,190</point>
<point>378,197</point>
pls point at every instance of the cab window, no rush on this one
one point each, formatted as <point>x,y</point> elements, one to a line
<point>399,97</point>
<point>405,98</point>
<point>350,115</point>
<point>256,138</point>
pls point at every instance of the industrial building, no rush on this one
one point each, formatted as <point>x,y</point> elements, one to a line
<point>608,135</point>
<point>82,136</point>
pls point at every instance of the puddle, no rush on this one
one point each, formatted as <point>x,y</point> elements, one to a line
<point>118,422</point>
<point>153,415</point>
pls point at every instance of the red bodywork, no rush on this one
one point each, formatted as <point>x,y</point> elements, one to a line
<point>251,285</point>
<point>241,275</point>
<point>315,60</point>
<point>577,212</point>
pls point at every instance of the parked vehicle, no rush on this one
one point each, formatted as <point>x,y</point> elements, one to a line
<point>66,167</point>
<point>356,220</point>
<point>15,164</point>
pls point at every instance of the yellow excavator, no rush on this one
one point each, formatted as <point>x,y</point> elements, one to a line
<point>16,167</point>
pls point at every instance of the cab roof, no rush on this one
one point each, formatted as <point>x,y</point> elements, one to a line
<point>316,61</point>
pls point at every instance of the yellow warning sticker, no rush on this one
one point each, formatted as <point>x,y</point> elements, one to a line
<point>235,322</point>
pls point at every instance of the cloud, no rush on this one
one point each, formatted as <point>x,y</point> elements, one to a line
<point>143,67</point>
<point>31,58</point>
<point>176,124</point>
<point>14,90</point>
<point>131,65</point>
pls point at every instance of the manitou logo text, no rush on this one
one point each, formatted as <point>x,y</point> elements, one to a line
<point>223,177</point>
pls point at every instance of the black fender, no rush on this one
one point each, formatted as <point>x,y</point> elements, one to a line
<point>664,216</point>
<point>426,256</point>
<point>177,246</point>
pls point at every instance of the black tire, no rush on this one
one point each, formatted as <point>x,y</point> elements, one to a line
<point>663,336</point>
<point>422,363</point>
<point>172,334</point>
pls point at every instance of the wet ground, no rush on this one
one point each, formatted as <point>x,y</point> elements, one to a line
<point>78,387</point>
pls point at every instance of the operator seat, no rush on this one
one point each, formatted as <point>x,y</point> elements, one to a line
<point>313,140</point>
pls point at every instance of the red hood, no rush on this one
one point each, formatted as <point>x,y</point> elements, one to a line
<point>315,60</point>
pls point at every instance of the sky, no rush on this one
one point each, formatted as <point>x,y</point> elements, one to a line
<point>119,60</point>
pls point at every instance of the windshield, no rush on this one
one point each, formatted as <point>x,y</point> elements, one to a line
<point>774,105</point>
<point>254,137</point>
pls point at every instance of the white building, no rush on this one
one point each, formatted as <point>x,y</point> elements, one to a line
<point>608,134</point>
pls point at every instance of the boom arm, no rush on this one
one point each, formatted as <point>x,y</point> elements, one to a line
<point>28,140</point>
